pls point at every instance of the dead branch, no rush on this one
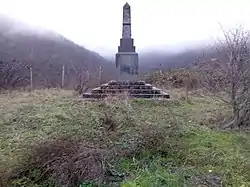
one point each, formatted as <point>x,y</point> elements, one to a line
<point>82,79</point>
<point>228,76</point>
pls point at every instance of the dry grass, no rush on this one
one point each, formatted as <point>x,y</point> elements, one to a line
<point>52,137</point>
<point>10,102</point>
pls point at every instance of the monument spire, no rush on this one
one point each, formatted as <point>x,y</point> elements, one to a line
<point>126,25</point>
<point>127,58</point>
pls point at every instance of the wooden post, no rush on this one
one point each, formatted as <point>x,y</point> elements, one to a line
<point>31,77</point>
<point>31,69</point>
<point>100,74</point>
<point>63,75</point>
<point>171,87</point>
<point>87,76</point>
<point>160,69</point>
<point>186,82</point>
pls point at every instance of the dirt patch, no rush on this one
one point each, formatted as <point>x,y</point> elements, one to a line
<point>207,180</point>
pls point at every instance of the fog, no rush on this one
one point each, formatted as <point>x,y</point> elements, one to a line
<point>157,25</point>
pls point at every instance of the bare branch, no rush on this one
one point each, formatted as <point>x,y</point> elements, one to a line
<point>82,78</point>
<point>11,74</point>
<point>229,75</point>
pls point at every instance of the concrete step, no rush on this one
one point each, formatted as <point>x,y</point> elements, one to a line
<point>146,86</point>
<point>113,82</point>
<point>91,95</point>
<point>131,91</point>
<point>138,89</point>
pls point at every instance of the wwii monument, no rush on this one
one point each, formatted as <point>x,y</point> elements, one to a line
<point>127,58</point>
<point>128,63</point>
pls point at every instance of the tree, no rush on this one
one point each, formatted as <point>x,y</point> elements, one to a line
<point>228,76</point>
<point>82,78</point>
<point>12,74</point>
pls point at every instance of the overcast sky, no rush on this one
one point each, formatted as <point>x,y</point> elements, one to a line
<point>97,24</point>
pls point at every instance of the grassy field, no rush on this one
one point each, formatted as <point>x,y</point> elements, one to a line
<point>52,138</point>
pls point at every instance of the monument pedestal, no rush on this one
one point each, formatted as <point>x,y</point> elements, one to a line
<point>127,62</point>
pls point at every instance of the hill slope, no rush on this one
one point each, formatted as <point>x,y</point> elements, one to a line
<point>46,52</point>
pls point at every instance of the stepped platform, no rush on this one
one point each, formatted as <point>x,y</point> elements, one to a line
<point>136,89</point>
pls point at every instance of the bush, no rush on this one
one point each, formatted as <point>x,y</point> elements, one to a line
<point>62,162</point>
<point>177,79</point>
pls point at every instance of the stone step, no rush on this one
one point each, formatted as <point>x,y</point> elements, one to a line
<point>162,95</point>
<point>126,82</point>
<point>106,86</point>
<point>131,91</point>
<point>133,88</point>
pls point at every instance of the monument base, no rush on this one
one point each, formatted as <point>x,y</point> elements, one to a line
<point>127,62</point>
<point>126,77</point>
<point>136,89</point>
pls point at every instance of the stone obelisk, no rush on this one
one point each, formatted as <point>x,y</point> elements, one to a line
<point>127,58</point>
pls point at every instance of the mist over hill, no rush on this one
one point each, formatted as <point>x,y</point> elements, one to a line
<point>46,52</point>
<point>152,60</point>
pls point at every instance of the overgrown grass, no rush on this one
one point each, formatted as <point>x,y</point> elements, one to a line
<point>138,142</point>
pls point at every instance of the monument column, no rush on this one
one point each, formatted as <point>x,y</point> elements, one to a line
<point>127,58</point>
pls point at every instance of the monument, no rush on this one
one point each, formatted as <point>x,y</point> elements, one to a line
<point>126,57</point>
<point>127,62</point>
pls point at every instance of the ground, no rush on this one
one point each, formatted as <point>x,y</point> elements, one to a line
<point>119,142</point>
